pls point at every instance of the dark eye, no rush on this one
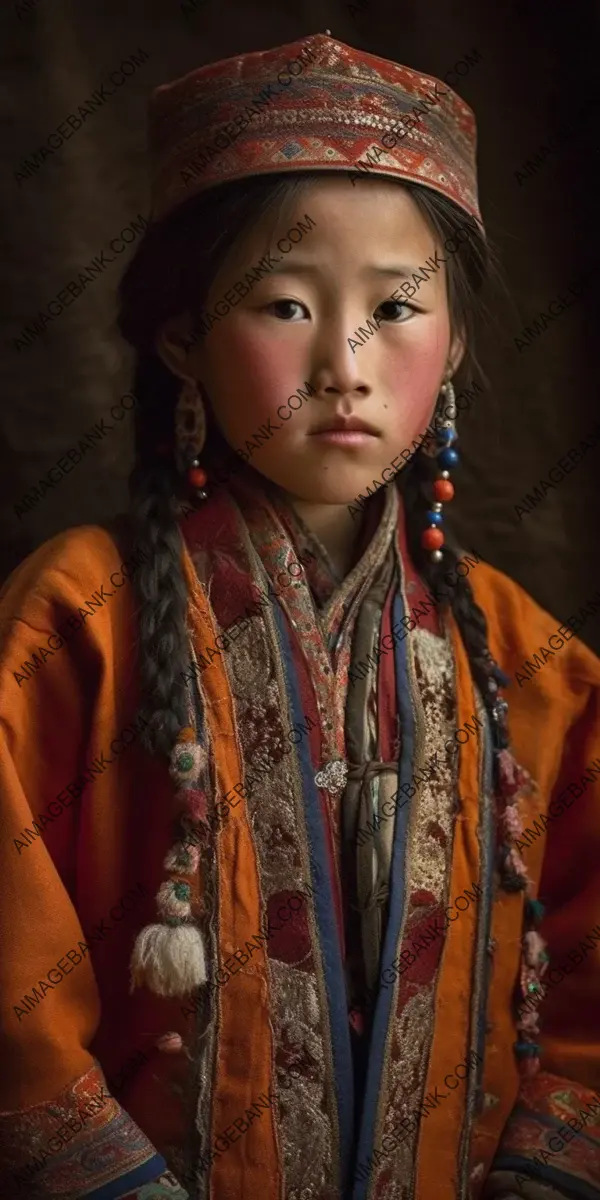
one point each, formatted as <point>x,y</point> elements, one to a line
<point>281,308</point>
<point>400,310</point>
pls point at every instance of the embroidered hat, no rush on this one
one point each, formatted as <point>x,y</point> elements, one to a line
<point>315,104</point>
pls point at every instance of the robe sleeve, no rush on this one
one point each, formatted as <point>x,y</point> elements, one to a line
<point>551,1143</point>
<point>62,1133</point>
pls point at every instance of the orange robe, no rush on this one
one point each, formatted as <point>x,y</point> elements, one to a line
<point>77,886</point>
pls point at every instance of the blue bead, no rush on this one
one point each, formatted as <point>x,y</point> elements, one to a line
<point>446,435</point>
<point>526,1049</point>
<point>434,518</point>
<point>535,910</point>
<point>447,458</point>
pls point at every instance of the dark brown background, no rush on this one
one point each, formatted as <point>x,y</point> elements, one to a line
<point>539,64</point>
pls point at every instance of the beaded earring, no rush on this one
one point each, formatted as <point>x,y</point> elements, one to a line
<point>443,490</point>
<point>190,434</point>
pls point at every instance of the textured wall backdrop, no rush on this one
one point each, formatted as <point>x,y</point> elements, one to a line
<point>75,199</point>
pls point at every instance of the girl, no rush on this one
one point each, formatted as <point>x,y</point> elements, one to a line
<point>359,954</point>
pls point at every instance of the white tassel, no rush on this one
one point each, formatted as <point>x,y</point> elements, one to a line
<point>168,959</point>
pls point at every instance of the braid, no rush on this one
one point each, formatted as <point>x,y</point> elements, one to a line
<point>509,779</point>
<point>158,581</point>
<point>470,618</point>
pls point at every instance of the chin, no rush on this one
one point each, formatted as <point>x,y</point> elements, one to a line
<point>320,492</point>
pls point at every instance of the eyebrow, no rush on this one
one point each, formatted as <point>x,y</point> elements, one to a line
<point>399,271</point>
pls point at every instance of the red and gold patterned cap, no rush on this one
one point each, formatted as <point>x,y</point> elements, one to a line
<point>315,104</point>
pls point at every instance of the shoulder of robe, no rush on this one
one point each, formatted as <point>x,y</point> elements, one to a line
<point>518,627</point>
<point>62,575</point>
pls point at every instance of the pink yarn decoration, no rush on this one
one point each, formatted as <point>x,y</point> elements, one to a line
<point>197,803</point>
<point>507,773</point>
<point>194,855</point>
<point>512,821</point>
<point>183,752</point>
<point>528,975</point>
<point>534,948</point>
<point>174,861</point>
<point>193,800</point>
<point>168,903</point>
<point>512,777</point>
<point>513,858</point>
<point>529,1022</point>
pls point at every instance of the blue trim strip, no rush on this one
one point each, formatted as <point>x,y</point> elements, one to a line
<point>486,881</point>
<point>482,964</point>
<point>147,1173</point>
<point>333,968</point>
<point>574,1187</point>
<point>383,1004</point>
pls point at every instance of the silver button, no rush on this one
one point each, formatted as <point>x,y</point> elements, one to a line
<point>333,776</point>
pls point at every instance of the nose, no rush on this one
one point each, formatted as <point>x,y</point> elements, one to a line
<point>339,371</point>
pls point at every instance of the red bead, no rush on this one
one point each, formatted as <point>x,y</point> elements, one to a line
<point>443,489</point>
<point>432,539</point>
<point>197,477</point>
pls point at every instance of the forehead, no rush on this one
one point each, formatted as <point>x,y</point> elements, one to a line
<point>336,216</point>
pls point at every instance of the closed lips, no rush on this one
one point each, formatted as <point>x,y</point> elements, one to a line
<point>352,426</point>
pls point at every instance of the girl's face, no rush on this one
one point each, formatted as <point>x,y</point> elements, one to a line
<point>297,328</point>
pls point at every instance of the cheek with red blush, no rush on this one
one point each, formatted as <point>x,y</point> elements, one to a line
<point>251,377</point>
<point>411,375</point>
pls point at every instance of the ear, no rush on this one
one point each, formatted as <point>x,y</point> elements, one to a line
<point>456,353</point>
<point>174,343</point>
